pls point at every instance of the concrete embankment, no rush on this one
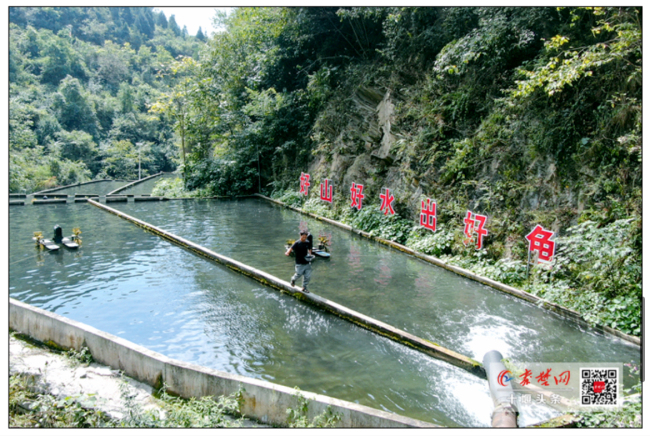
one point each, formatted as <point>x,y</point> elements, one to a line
<point>137,182</point>
<point>364,321</point>
<point>54,201</point>
<point>85,184</point>
<point>560,310</point>
<point>261,400</point>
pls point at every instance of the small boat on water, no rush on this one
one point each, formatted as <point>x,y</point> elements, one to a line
<point>49,245</point>
<point>321,253</point>
<point>69,243</point>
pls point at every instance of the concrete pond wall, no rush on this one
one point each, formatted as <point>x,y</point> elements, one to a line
<point>136,182</point>
<point>264,401</point>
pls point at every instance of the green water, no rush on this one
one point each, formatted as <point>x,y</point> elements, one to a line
<point>99,188</point>
<point>135,285</point>
<point>386,284</point>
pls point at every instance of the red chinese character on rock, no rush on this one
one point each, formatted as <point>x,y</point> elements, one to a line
<point>540,241</point>
<point>564,378</point>
<point>387,202</point>
<point>543,377</point>
<point>304,183</point>
<point>428,215</point>
<point>475,225</point>
<point>326,191</point>
<point>357,196</point>
<point>469,227</point>
<point>526,377</point>
<point>480,230</point>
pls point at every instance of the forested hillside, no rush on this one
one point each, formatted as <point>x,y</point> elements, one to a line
<point>82,81</point>
<point>529,116</point>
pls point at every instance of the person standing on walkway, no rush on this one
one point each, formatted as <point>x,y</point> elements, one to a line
<point>302,248</point>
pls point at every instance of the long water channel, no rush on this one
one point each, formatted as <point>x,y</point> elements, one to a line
<point>147,186</point>
<point>102,187</point>
<point>135,285</point>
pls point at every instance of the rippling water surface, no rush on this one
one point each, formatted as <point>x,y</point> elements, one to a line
<point>133,284</point>
<point>381,282</point>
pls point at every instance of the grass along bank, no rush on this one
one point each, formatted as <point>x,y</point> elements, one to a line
<point>596,271</point>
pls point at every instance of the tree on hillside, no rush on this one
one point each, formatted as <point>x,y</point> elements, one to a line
<point>73,107</point>
<point>57,60</point>
<point>161,20</point>
<point>174,26</point>
<point>144,26</point>
<point>77,146</point>
<point>200,36</point>
<point>176,102</point>
<point>113,64</point>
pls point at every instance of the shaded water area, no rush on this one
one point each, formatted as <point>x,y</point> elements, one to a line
<point>147,186</point>
<point>408,293</point>
<point>100,188</point>
<point>138,286</point>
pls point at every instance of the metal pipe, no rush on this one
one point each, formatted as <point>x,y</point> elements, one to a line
<point>505,412</point>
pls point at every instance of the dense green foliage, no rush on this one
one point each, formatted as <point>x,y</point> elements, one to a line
<point>82,81</point>
<point>175,188</point>
<point>527,115</point>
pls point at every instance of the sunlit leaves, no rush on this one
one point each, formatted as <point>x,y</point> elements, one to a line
<point>571,64</point>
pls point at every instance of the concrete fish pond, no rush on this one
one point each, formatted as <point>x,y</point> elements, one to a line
<point>95,187</point>
<point>143,186</point>
<point>398,289</point>
<point>136,285</point>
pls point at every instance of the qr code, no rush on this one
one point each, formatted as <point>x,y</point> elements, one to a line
<point>599,386</point>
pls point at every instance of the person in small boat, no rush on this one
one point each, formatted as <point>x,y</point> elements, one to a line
<point>302,248</point>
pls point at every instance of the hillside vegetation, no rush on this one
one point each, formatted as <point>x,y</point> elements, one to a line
<point>82,81</point>
<point>527,115</point>
<point>530,116</point>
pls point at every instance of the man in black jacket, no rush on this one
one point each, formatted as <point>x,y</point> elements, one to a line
<point>302,248</point>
